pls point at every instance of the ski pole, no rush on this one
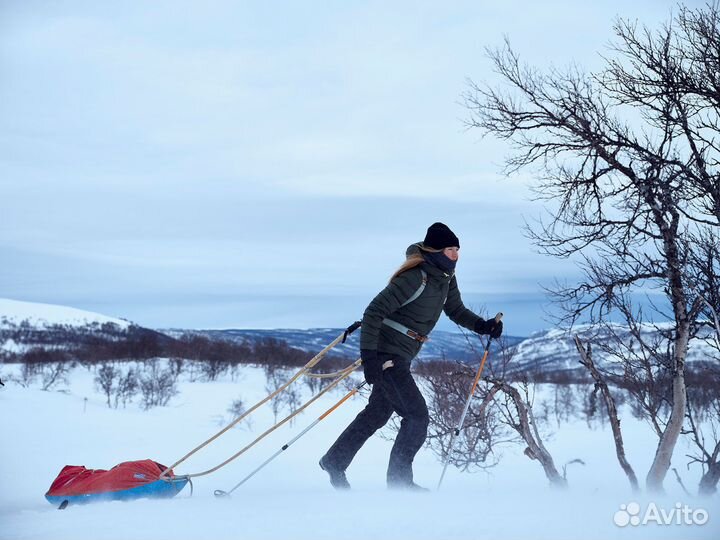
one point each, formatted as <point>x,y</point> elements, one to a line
<point>457,430</point>
<point>221,493</point>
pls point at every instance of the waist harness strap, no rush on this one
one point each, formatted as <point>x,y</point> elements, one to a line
<point>405,330</point>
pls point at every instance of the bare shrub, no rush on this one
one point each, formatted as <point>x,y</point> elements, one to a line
<point>498,414</point>
<point>53,374</point>
<point>126,388</point>
<point>237,409</point>
<point>105,380</point>
<point>28,374</point>
<point>157,385</point>
<point>447,387</point>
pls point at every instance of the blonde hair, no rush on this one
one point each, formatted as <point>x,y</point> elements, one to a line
<point>414,259</point>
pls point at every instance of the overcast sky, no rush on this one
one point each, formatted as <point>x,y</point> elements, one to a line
<point>265,164</point>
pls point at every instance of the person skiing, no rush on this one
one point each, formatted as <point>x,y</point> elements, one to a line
<point>394,327</point>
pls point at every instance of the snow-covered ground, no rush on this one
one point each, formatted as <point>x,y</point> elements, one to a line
<point>291,498</point>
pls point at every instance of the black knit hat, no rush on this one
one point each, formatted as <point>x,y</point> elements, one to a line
<point>439,236</point>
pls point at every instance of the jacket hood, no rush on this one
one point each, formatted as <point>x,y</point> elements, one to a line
<point>417,249</point>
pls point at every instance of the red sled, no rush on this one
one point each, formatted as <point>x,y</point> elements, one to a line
<point>127,481</point>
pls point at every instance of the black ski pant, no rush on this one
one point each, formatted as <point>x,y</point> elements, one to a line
<point>397,392</point>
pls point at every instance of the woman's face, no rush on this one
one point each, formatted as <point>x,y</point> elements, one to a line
<point>452,253</point>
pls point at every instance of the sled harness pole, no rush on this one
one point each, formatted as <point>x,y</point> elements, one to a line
<point>221,493</point>
<point>342,375</point>
<point>457,430</point>
<point>302,371</point>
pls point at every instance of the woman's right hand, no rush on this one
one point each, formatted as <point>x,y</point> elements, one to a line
<point>491,327</point>
<point>372,369</point>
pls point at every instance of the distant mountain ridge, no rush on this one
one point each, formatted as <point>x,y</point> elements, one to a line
<point>45,329</point>
<point>545,351</point>
<point>441,345</point>
<point>555,349</point>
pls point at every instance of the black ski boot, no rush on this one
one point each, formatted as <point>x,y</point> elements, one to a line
<point>338,480</point>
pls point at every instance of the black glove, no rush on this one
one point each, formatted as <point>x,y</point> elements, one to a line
<point>371,365</point>
<point>490,327</point>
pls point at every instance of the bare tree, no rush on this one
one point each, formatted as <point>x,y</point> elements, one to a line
<point>705,279</point>
<point>498,414</point>
<point>523,421</point>
<point>54,373</point>
<point>236,409</point>
<point>602,387</point>
<point>274,379</point>
<point>126,387</point>
<point>289,399</point>
<point>706,446</point>
<point>704,399</point>
<point>447,386</point>
<point>157,385</point>
<point>628,165</point>
<point>105,379</point>
<point>564,402</point>
<point>118,383</point>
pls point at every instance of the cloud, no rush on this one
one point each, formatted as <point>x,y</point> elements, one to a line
<point>172,148</point>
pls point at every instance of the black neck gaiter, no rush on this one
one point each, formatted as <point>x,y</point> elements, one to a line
<point>443,262</point>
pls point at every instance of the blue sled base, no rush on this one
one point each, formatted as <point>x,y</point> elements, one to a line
<point>160,489</point>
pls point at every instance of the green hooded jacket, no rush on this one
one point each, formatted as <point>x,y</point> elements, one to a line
<point>440,294</point>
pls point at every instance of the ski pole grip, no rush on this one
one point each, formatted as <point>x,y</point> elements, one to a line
<point>350,329</point>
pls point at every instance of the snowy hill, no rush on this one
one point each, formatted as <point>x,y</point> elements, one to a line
<point>14,313</point>
<point>555,349</point>
<point>36,332</point>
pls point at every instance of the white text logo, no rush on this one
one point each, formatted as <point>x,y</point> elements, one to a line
<point>680,514</point>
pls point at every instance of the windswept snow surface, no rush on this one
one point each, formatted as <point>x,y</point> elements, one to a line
<point>44,315</point>
<point>291,497</point>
